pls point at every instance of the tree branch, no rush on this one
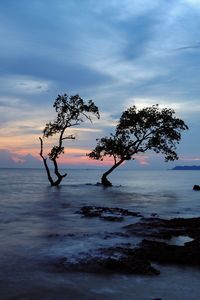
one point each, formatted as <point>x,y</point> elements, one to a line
<point>69,137</point>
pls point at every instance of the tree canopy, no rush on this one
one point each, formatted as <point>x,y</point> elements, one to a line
<point>137,131</point>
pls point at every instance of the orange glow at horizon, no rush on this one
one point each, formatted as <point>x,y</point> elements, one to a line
<point>84,160</point>
<point>35,151</point>
<point>142,160</point>
<point>72,156</point>
<point>20,146</point>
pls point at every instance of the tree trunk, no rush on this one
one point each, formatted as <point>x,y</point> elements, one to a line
<point>105,182</point>
<point>45,163</point>
<point>57,173</point>
<point>59,176</point>
<point>48,172</point>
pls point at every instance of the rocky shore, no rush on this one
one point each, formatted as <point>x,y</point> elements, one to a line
<point>158,244</point>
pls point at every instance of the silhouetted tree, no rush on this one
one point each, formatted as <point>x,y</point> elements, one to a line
<point>137,131</point>
<point>71,111</point>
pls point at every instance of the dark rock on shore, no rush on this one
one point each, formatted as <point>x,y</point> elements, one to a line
<point>172,254</point>
<point>165,229</point>
<point>114,214</point>
<point>111,260</point>
<point>196,187</point>
<point>162,252</point>
<point>127,259</point>
<point>112,218</point>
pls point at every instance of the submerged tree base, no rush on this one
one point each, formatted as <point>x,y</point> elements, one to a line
<point>105,182</point>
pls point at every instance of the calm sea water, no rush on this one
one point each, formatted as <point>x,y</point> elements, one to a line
<point>31,211</point>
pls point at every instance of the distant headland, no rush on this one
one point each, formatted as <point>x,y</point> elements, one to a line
<point>196,168</point>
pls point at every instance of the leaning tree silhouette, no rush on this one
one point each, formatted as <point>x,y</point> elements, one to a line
<point>71,111</point>
<point>138,131</point>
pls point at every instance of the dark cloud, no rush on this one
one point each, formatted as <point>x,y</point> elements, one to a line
<point>9,159</point>
<point>188,47</point>
<point>63,74</point>
<point>6,160</point>
<point>29,130</point>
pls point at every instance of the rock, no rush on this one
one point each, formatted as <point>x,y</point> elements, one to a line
<point>162,252</point>
<point>114,214</point>
<point>196,187</point>
<point>128,260</point>
<point>171,254</point>
<point>53,235</point>
<point>165,229</point>
<point>111,260</point>
<point>112,218</point>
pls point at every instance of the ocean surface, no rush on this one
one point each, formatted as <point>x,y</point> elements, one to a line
<point>40,224</point>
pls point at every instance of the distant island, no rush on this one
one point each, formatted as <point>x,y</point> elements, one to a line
<point>196,168</point>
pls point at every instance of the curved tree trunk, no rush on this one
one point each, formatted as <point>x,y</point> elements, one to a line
<point>59,176</point>
<point>45,163</point>
<point>57,173</point>
<point>105,182</point>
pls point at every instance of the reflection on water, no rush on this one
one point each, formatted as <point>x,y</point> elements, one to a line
<point>39,223</point>
<point>180,240</point>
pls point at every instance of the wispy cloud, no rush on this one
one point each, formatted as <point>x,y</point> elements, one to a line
<point>23,85</point>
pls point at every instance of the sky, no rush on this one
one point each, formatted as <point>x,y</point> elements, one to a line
<point>118,53</point>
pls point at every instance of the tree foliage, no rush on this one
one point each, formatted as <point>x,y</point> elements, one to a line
<point>137,131</point>
<point>71,111</point>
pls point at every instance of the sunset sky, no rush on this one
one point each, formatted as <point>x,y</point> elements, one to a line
<point>118,53</point>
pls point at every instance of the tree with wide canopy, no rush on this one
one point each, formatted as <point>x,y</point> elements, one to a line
<point>138,131</point>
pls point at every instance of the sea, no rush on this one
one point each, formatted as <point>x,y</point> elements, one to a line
<point>40,224</point>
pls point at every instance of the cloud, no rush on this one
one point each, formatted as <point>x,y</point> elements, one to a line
<point>189,47</point>
<point>23,84</point>
<point>190,159</point>
<point>118,53</point>
<point>180,107</point>
<point>143,160</point>
<point>125,9</point>
<point>10,159</point>
<point>195,3</point>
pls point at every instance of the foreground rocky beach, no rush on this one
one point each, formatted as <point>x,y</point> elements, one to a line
<point>165,241</point>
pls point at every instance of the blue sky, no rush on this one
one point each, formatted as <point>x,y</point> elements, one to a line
<point>118,53</point>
